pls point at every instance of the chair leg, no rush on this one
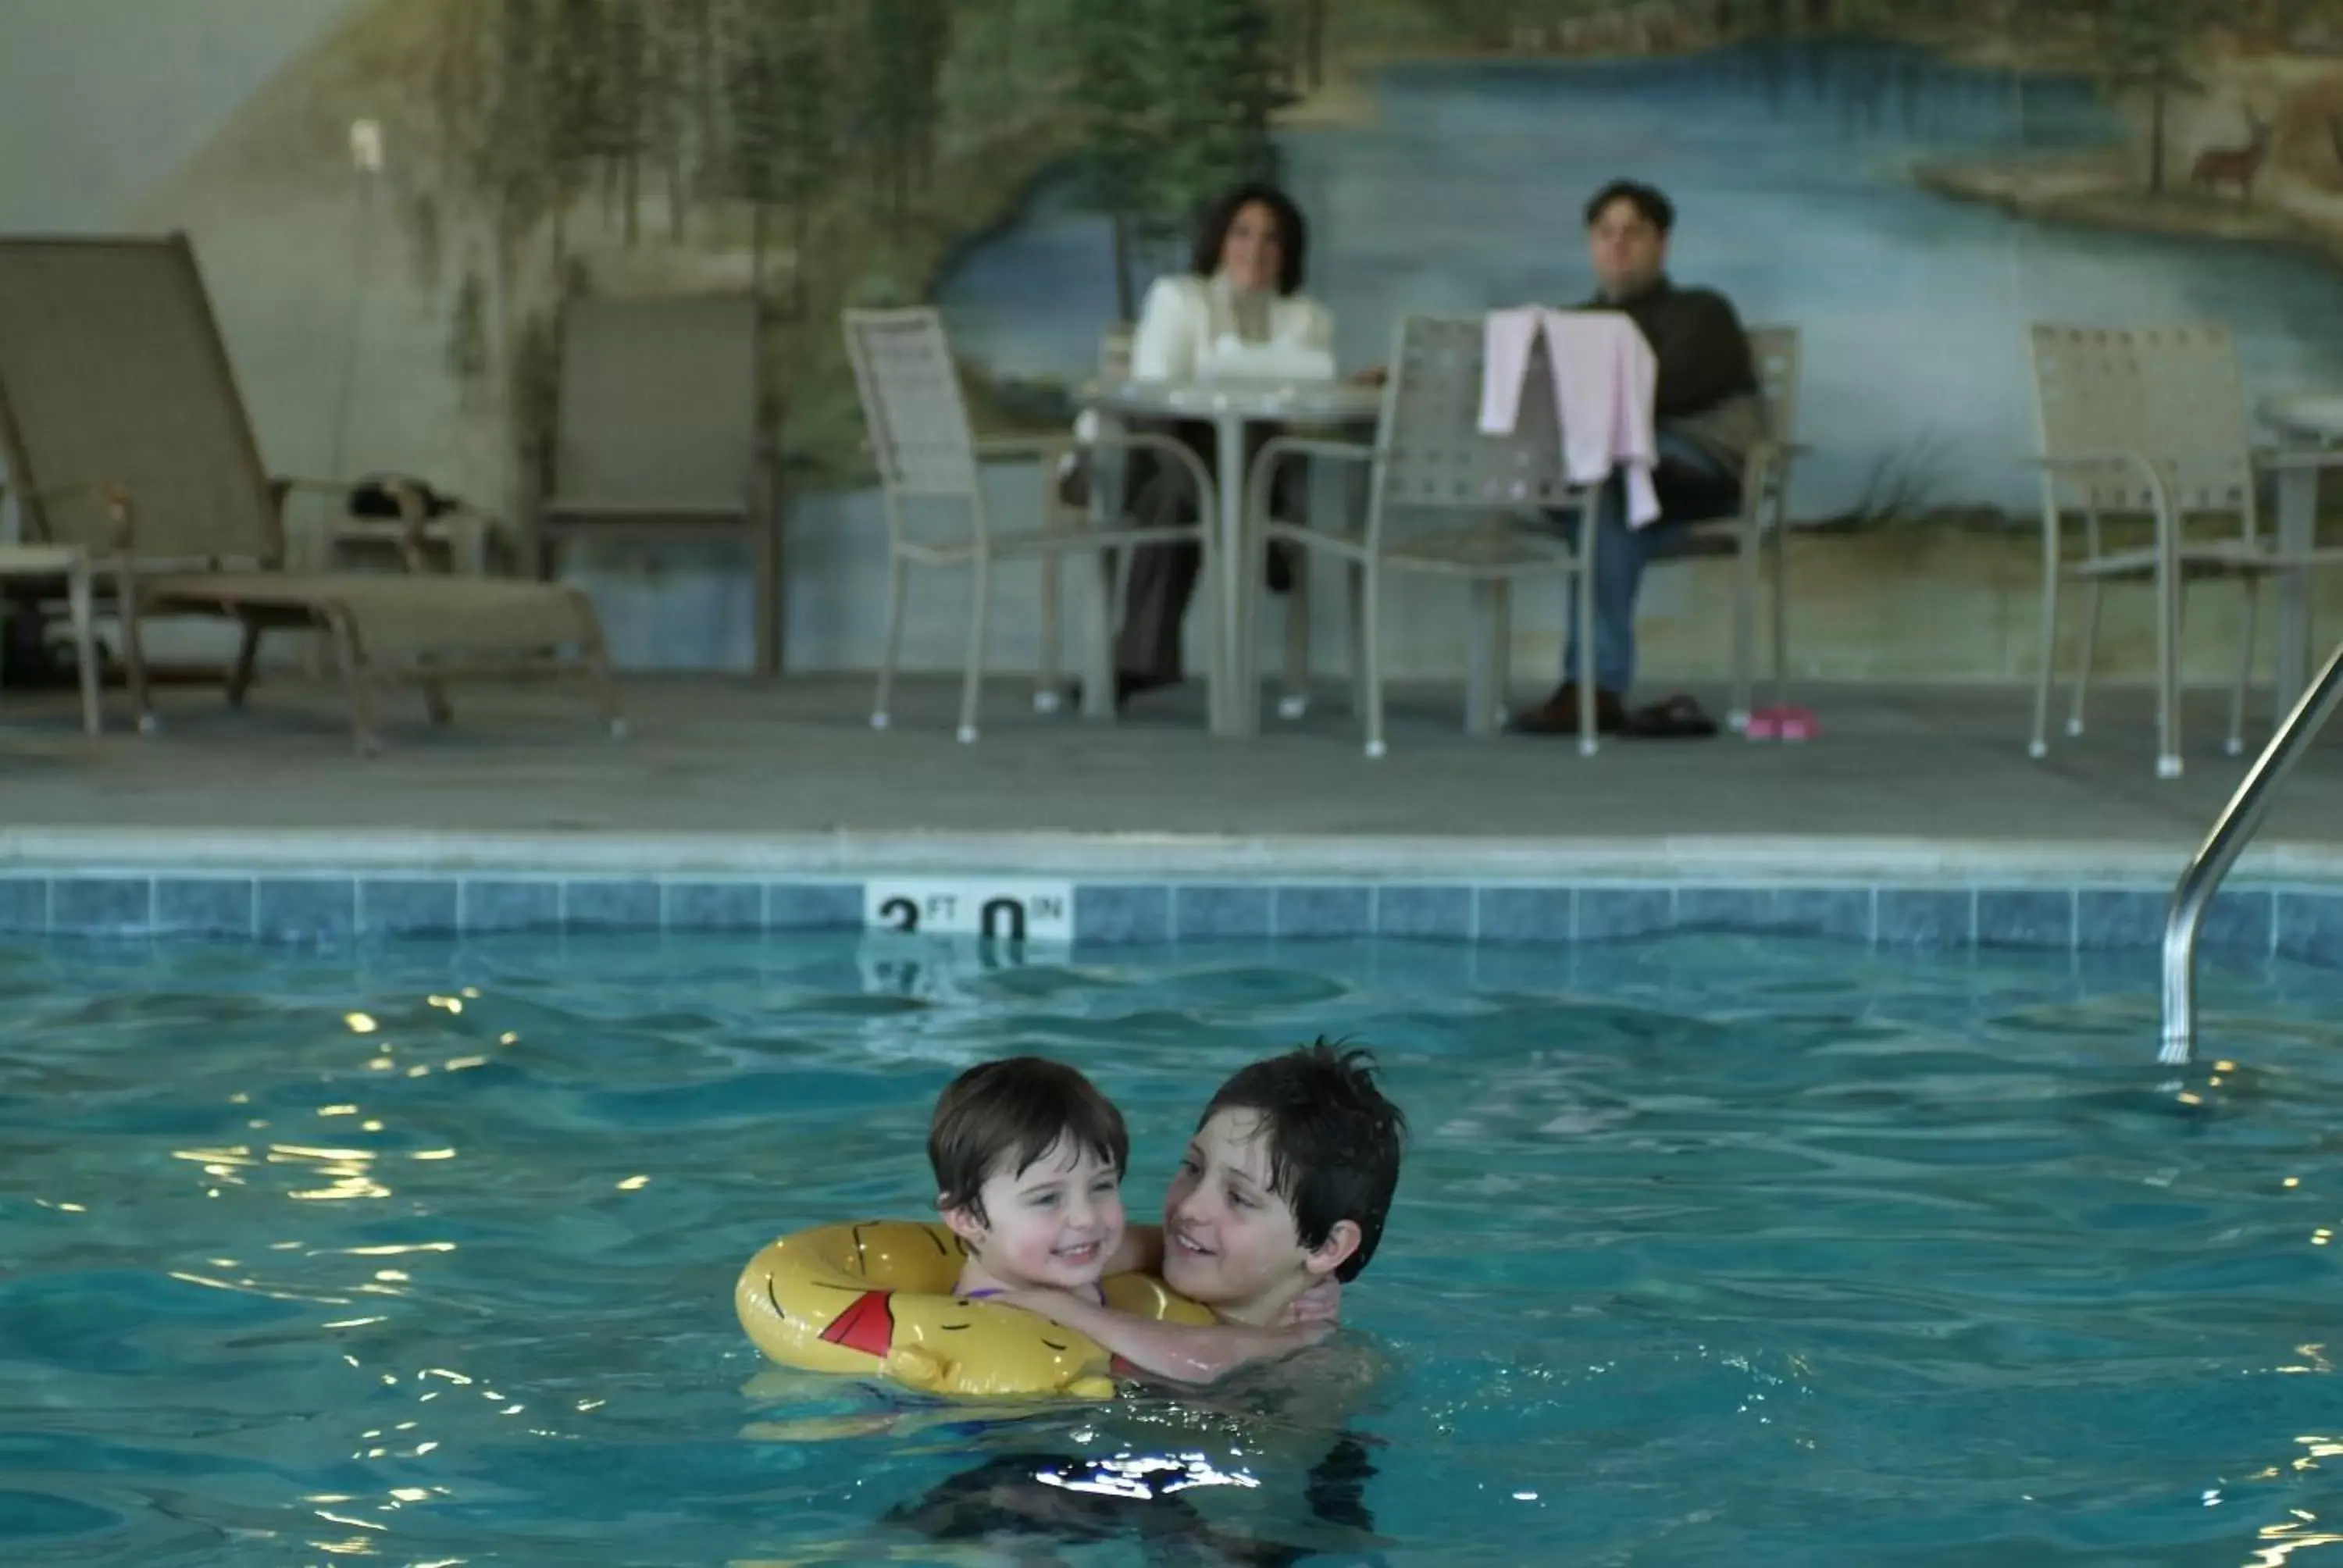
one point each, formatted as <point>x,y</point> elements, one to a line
<point>134,653</point>
<point>1779,542</point>
<point>324,555</point>
<point>1745,615</point>
<point>247,655</point>
<point>1098,667</point>
<point>1046,681</point>
<point>2087,655</point>
<point>897,585</point>
<point>469,538</point>
<point>1480,676</point>
<point>765,556</point>
<point>2167,653</point>
<point>1295,702</point>
<point>1220,641</point>
<point>345,653</point>
<point>1253,573</point>
<point>1588,545</point>
<point>2046,661</point>
<point>1371,645</point>
<point>435,703</point>
<point>594,653</point>
<point>980,613</point>
<point>1355,585</point>
<point>80,598</point>
<point>1501,654</point>
<point>2235,744</point>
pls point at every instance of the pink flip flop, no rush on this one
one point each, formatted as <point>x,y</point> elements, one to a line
<point>1791,724</point>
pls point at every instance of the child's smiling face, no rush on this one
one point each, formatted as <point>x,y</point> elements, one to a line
<point>1052,1225</point>
<point>1229,1236</point>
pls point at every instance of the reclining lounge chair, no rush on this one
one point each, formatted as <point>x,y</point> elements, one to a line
<point>124,435</point>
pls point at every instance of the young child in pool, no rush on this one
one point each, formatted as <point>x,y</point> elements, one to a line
<point>1279,1200</point>
<point>1029,1159</point>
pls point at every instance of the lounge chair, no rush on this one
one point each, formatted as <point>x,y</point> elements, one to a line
<point>124,435</point>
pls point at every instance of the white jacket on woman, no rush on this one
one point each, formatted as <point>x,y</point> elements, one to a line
<point>1188,331</point>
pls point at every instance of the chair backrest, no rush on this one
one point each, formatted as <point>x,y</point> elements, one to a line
<point>2173,394</point>
<point>1776,350</point>
<point>912,401</point>
<point>1434,455</point>
<point>920,433</point>
<point>659,401</point>
<point>112,371</point>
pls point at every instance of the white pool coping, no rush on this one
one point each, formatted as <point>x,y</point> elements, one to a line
<point>1721,859</point>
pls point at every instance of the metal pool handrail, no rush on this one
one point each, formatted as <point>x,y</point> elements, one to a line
<point>2231,832</point>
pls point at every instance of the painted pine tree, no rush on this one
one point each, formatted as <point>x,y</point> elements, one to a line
<point>2149,43</point>
<point>1308,52</point>
<point>1116,110</point>
<point>755,116</point>
<point>468,337</point>
<point>509,154</point>
<point>805,66</point>
<point>900,62</point>
<point>1216,82</point>
<point>572,62</point>
<point>622,110</point>
<point>669,60</point>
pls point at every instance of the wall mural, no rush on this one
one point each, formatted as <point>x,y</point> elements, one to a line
<point>1908,181</point>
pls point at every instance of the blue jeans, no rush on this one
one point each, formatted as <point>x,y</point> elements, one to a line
<point>1693,486</point>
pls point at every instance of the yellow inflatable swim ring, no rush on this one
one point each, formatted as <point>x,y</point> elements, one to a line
<point>874,1299</point>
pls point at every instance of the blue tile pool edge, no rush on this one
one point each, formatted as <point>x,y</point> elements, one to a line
<point>2296,919</point>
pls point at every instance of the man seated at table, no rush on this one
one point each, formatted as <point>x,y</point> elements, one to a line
<point>1708,414</point>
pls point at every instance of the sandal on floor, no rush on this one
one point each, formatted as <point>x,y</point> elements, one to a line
<point>1792,724</point>
<point>1678,718</point>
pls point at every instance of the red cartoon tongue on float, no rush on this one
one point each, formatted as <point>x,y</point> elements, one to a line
<point>868,1325</point>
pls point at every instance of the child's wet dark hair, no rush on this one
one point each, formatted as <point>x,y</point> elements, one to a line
<point>1007,1114</point>
<point>1333,1141</point>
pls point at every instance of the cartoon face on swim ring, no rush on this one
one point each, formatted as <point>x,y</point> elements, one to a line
<point>874,1299</point>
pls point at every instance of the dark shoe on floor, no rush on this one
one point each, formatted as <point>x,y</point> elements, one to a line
<point>1126,686</point>
<point>1678,718</point>
<point>1558,714</point>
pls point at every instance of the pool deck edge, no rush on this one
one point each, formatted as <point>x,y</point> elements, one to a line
<point>1150,857</point>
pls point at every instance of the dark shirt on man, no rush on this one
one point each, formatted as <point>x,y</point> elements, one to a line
<point>1707,390</point>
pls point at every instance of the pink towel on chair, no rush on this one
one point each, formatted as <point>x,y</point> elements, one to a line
<point>1605,374</point>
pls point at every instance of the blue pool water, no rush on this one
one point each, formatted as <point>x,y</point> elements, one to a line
<point>1709,1250</point>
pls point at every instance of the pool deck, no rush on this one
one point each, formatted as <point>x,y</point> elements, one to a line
<point>724,775</point>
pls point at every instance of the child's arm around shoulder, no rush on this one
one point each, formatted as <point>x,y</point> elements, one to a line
<point>1181,1352</point>
<point>1140,1251</point>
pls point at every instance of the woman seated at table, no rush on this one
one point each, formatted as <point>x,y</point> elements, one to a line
<point>1239,310</point>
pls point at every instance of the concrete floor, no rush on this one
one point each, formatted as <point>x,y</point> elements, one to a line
<point>720,773</point>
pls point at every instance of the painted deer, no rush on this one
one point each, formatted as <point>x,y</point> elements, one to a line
<point>2218,166</point>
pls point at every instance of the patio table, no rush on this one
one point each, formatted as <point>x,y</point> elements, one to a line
<point>1231,407</point>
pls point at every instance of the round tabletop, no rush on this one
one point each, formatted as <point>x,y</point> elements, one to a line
<point>2316,416</point>
<point>1303,402</point>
